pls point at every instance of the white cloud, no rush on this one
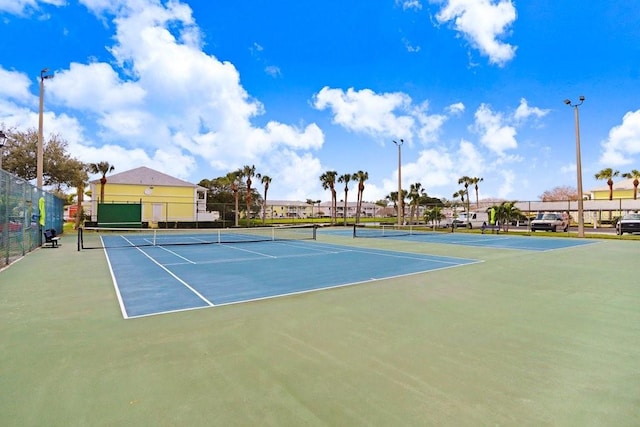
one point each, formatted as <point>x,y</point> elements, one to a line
<point>506,183</point>
<point>273,71</point>
<point>256,48</point>
<point>495,134</point>
<point>410,48</point>
<point>95,87</point>
<point>23,7</point>
<point>162,102</point>
<point>523,111</point>
<point>482,23</point>
<point>367,112</point>
<point>429,126</point>
<point>15,85</point>
<point>469,159</point>
<point>294,174</point>
<point>498,130</point>
<point>409,4</point>
<point>455,109</point>
<point>383,116</point>
<point>436,169</point>
<point>623,142</point>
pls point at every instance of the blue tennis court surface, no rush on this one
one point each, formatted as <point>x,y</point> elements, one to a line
<point>489,240</point>
<point>154,280</point>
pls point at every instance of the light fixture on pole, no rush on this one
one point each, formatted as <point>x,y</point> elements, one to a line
<point>40,153</point>
<point>400,198</point>
<point>578,165</point>
<point>3,139</point>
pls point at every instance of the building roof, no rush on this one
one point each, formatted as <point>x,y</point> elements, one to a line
<point>146,176</point>
<point>288,203</point>
<point>625,184</point>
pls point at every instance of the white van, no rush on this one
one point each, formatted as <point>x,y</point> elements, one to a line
<point>473,220</point>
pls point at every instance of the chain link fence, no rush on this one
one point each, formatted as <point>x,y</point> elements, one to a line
<point>24,216</point>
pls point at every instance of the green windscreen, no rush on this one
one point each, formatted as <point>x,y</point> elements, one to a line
<point>127,215</point>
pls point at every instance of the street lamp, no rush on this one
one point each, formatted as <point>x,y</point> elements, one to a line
<point>3,139</point>
<point>400,198</point>
<point>578,165</point>
<point>40,154</point>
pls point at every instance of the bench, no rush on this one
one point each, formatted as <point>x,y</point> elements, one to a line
<point>495,228</point>
<point>51,238</point>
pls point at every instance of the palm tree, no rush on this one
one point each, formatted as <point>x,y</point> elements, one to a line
<point>393,197</point>
<point>80,180</point>
<point>234,180</point>
<point>361,177</point>
<point>608,174</point>
<point>102,168</point>
<point>474,181</point>
<point>265,180</point>
<point>466,181</point>
<point>416,194</point>
<point>345,178</point>
<point>459,193</point>
<point>434,215</point>
<point>635,174</point>
<point>248,172</point>
<point>506,212</point>
<point>328,180</point>
<point>312,203</point>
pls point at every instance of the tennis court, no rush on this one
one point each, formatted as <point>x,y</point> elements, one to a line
<point>523,338</point>
<point>160,273</point>
<point>488,239</point>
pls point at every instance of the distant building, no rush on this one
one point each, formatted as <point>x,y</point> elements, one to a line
<point>368,209</point>
<point>299,209</point>
<point>276,209</point>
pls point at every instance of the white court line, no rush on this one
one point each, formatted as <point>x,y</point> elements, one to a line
<point>115,282</point>
<point>307,291</point>
<point>380,252</point>
<point>384,252</point>
<point>261,258</point>
<point>318,249</point>
<point>247,250</point>
<point>176,254</point>
<point>418,257</point>
<point>198,294</point>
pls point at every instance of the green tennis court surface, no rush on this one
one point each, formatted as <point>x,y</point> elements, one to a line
<point>524,338</point>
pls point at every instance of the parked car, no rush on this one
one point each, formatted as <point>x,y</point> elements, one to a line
<point>629,223</point>
<point>474,219</point>
<point>13,226</point>
<point>550,222</point>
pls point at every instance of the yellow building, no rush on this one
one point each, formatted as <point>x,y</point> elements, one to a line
<point>621,190</point>
<point>162,197</point>
<point>294,209</point>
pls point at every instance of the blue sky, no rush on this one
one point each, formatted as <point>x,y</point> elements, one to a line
<point>198,88</point>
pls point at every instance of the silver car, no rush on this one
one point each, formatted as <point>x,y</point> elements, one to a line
<point>629,223</point>
<point>550,222</point>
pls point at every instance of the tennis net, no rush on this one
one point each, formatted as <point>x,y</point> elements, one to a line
<point>100,237</point>
<point>386,230</point>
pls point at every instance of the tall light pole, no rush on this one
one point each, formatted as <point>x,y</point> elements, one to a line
<point>400,198</point>
<point>40,154</point>
<point>3,138</point>
<point>578,165</point>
